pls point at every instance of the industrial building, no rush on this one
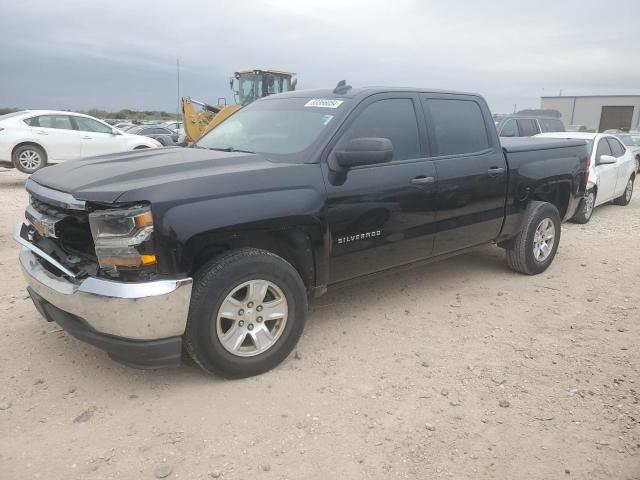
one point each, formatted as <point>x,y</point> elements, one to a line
<point>597,112</point>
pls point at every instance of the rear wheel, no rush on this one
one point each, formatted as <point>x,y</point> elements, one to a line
<point>533,250</point>
<point>583,215</point>
<point>247,312</point>
<point>29,158</point>
<point>625,198</point>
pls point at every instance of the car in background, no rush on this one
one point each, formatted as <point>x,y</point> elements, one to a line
<point>527,126</point>
<point>578,128</point>
<point>163,135</point>
<point>177,127</point>
<point>631,141</point>
<point>611,175</point>
<point>123,125</point>
<point>31,139</point>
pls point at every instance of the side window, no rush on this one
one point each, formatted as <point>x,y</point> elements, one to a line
<point>603,149</point>
<point>528,127</point>
<point>509,129</point>
<point>459,126</point>
<point>61,122</point>
<point>91,125</point>
<point>392,118</point>
<point>616,147</point>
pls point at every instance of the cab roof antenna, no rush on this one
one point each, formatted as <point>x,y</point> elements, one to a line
<point>342,87</point>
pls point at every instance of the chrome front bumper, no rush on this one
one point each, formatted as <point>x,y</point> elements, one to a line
<point>137,311</point>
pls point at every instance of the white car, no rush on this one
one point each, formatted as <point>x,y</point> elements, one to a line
<point>31,139</point>
<point>612,171</point>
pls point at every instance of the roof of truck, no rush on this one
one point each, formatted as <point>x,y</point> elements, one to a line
<point>363,91</point>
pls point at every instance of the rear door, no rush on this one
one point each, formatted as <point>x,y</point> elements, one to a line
<point>471,168</point>
<point>57,135</point>
<point>381,216</point>
<point>97,138</point>
<point>624,165</point>
<point>607,173</point>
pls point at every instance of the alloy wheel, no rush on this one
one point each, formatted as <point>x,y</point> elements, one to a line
<point>543,239</point>
<point>252,318</point>
<point>30,159</point>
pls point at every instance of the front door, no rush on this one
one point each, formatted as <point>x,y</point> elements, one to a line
<point>472,172</point>
<point>97,137</point>
<point>607,173</point>
<point>381,216</point>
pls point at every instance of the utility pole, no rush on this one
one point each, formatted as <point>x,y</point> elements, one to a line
<point>515,107</point>
<point>178,91</point>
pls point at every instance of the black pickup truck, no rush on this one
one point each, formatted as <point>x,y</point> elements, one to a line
<point>216,249</point>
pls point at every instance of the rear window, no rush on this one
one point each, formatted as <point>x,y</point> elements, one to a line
<point>12,114</point>
<point>458,125</point>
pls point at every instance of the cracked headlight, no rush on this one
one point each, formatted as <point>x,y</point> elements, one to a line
<point>122,237</point>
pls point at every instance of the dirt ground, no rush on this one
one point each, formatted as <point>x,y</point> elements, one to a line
<point>461,370</point>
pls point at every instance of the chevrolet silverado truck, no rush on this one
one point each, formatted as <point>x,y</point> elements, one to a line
<point>218,248</point>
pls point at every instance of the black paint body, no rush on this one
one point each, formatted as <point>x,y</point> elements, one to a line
<point>317,215</point>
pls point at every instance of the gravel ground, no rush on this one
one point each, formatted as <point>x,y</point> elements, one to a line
<point>461,369</point>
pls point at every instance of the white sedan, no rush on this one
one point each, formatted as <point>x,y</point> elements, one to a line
<point>31,139</point>
<point>612,171</point>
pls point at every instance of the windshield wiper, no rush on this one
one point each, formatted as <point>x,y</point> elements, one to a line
<point>230,149</point>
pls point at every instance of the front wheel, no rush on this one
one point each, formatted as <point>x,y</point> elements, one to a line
<point>247,312</point>
<point>583,215</point>
<point>533,250</point>
<point>625,198</point>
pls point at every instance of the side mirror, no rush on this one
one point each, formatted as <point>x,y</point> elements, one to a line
<point>606,159</point>
<point>365,151</point>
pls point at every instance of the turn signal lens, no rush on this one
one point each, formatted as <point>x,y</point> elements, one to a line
<point>147,259</point>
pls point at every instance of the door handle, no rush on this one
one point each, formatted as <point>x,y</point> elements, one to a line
<point>495,171</point>
<point>40,132</point>
<point>423,180</point>
<point>86,138</point>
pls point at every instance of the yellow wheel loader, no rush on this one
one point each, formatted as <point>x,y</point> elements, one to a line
<point>247,86</point>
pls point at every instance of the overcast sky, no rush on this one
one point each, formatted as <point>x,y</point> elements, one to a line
<point>122,54</point>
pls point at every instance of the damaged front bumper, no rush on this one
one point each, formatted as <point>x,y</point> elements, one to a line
<point>138,324</point>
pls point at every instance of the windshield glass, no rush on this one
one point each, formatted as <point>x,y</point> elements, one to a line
<point>274,126</point>
<point>630,140</point>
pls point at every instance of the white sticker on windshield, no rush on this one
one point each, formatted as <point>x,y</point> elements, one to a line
<point>323,103</point>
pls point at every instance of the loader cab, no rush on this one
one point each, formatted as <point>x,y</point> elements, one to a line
<point>250,85</point>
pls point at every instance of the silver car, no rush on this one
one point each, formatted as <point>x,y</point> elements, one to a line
<point>631,141</point>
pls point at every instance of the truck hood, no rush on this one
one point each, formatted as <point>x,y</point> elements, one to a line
<point>104,179</point>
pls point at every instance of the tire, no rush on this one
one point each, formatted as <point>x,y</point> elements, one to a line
<point>29,158</point>
<point>226,344</point>
<point>625,198</point>
<point>522,254</point>
<point>583,215</point>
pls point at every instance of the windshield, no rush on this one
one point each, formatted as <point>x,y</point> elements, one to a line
<point>134,130</point>
<point>274,126</point>
<point>630,140</point>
